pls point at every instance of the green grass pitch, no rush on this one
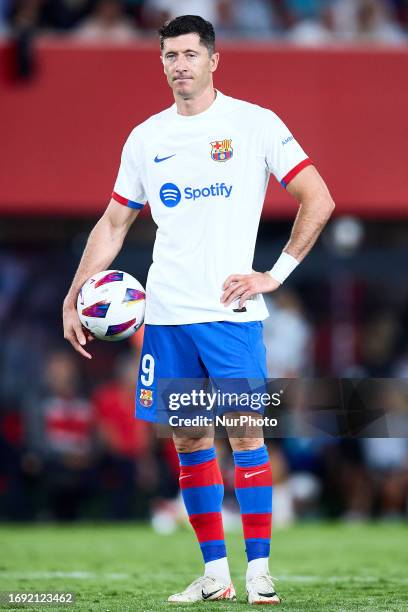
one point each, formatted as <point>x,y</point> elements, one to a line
<point>128,567</point>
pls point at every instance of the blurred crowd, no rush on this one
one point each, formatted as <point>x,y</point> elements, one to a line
<point>309,22</point>
<point>71,449</point>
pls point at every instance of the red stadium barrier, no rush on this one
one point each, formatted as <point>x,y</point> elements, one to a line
<point>62,131</point>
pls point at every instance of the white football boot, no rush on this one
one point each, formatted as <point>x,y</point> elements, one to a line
<point>261,590</point>
<point>205,588</point>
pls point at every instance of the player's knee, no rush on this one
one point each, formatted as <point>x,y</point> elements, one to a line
<point>243,444</point>
<point>190,445</point>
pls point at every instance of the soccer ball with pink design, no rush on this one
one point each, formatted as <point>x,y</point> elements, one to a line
<point>111,305</point>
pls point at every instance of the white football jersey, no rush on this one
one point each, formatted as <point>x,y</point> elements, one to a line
<point>205,178</point>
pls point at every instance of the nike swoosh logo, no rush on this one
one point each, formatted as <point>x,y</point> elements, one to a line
<point>267,594</point>
<point>208,595</point>
<point>253,474</point>
<point>186,476</point>
<point>158,159</point>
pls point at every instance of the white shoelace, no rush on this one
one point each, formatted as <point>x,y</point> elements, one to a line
<point>196,582</point>
<point>265,582</point>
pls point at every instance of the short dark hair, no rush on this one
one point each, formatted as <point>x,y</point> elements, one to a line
<point>189,24</point>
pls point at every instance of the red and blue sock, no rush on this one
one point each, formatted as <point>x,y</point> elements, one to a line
<point>202,489</point>
<point>253,488</point>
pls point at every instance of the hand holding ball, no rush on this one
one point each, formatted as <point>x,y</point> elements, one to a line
<point>111,305</point>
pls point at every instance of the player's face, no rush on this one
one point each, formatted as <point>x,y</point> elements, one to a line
<point>188,65</point>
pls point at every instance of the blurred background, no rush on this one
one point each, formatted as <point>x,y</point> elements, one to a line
<point>75,77</point>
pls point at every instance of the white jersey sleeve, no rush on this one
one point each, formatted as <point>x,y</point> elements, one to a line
<point>129,189</point>
<point>285,157</point>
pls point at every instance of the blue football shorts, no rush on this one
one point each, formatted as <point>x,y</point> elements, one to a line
<point>181,358</point>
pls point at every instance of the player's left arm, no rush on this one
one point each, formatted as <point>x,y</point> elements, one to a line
<point>315,207</point>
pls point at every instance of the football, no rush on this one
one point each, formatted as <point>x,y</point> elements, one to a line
<point>111,305</point>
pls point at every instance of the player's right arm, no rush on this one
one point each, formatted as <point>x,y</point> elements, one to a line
<point>103,245</point>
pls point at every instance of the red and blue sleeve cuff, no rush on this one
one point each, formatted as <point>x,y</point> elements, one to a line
<point>291,175</point>
<point>129,203</point>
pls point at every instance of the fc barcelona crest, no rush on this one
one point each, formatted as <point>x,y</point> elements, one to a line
<point>146,397</point>
<point>221,150</point>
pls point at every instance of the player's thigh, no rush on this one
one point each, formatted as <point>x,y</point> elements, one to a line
<point>235,357</point>
<point>168,354</point>
<point>232,350</point>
